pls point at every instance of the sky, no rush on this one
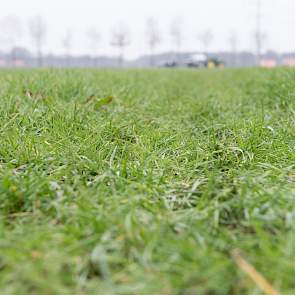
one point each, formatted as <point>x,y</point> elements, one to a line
<point>222,17</point>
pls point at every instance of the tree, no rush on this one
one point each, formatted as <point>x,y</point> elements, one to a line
<point>120,39</point>
<point>153,37</point>
<point>233,44</point>
<point>206,39</point>
<point>67,44</point>
<point>176,36</point>
<point>94,40</point>
<point>38,34</point>
<point>10,35</point>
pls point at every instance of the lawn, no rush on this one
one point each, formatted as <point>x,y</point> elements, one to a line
<point>146,181</point>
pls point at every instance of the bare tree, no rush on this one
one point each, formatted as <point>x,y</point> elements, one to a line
<point>94,41</point>
<point>153,37</point>
<point>206,39</point>
<point>176,36</point>
<point>233,44</point>
<point>38,33</point>
<point>260,37</point>
<point>10,35</point>
<point>120,39</point>
<point>67,43</point>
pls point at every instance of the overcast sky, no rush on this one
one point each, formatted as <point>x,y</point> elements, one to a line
<point>220,16</point>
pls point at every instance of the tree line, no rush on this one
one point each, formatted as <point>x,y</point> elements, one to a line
<point>120,38</point>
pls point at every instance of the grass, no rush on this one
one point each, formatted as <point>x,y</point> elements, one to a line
<point>145,181</point>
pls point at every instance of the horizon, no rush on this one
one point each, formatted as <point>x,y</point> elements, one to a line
<point>63,19</point>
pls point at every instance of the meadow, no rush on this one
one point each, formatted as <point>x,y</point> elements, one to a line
<point>146,181</point>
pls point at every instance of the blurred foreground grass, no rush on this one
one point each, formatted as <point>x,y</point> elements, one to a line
<point>143,182</point>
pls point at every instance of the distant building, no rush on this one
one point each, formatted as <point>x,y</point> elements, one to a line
<point>18,63</point>
<point>268,63</point>
<point>289,62</point>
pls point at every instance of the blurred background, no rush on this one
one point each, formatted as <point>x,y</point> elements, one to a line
<point>147,33</point>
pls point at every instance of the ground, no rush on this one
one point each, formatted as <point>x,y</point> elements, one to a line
<point>146,181</point>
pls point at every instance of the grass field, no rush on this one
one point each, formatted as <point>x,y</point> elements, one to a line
<point>145,181</point>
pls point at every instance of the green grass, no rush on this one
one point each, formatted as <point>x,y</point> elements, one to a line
<point>148,192</point>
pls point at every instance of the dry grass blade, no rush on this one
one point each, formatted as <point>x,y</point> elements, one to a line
<point>21,214</point>
<point>257,277</point>
<point>89,99</point>
<point>29,94</point>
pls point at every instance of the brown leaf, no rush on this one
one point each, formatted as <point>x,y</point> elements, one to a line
<point>35,254</point>
<point>36,96</point>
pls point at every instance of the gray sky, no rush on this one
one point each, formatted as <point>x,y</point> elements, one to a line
<point>220,16</point>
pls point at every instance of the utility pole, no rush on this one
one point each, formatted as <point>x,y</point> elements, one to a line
<point>258,33</point>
